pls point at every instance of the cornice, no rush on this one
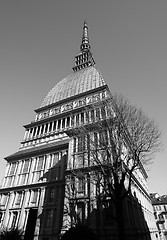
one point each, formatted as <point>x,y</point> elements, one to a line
<point>33,151</point>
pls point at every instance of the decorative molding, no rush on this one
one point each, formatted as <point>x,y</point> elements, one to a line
<point>72,105</point>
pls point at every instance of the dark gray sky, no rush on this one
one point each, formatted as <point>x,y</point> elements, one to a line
<point>38,42</point>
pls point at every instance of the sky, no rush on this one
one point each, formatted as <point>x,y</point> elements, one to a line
<point>38,42</point>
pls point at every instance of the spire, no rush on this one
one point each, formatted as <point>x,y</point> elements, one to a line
<point>85,38</point>
<point>84,58</point>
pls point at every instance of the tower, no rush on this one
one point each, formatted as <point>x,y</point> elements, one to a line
<point>38,176</point>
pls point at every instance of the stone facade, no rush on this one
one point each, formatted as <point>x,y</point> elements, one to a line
<point>160,213</point>
<point>33,192</point>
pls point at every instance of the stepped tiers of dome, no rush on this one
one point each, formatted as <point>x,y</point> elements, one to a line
<point>79,82</point>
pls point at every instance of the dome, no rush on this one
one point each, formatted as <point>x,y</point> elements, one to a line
<point>79,82</point>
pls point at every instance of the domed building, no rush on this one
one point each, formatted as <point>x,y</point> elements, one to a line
<point>33,195</point>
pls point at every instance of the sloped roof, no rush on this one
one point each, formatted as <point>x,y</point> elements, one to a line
<point>79,82</point>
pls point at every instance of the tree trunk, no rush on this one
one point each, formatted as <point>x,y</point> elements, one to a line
<point>120,218</point>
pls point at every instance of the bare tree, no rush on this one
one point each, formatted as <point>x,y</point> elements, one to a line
<point>118,141</point>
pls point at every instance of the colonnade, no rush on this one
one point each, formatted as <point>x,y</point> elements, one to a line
<point>61,124</point>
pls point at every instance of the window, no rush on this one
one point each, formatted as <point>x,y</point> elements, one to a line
<point>103,94</point>
<point>55,159</point>
<point>57,171</point>
<point>23,179</point>
<point>40,163</point>
<point>55,167</point>
<point>59,124</point>
<point>72,121</point>
<point>92,115</point>
<point>63,123</point>
<point>37,176</point>
<point>109,111</point>
<point>81,143</point>
<point>97,114</point>
<point>103,112</point>
<point>34,196</point>
<point>51,194</point>
<point>88,141</point>
<point>12,168</point>
<point>82,118</point>
<point>87,116</point>
<point>155,215</point>
<point>15,214</point>
<point>18,198</point>
<point>68,122</point>
<point>74,147</point>
<point>103,141</point>
<point>4,199</point>
<point>80,212</point>
<point>95,139</point>
<point>77,119</point>
<point>79,160</point>
<point>9,181</point>
<point>49,217</point>
<point>25,166</point>
<point>81,185</point>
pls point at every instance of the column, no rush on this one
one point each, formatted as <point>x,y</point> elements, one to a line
<point>36,117</point>
<point>100,113</point>
<point>75,120</point>
<point>65,123</point>
<point>70,125</point>
<point>48,127</point>
<point>25,134</point>
<point>52,126</point>
<point>44,129</point>
<point>40,130</point>
<point>61,123</point>
<point>28,133</point>
<point>36,131</point>
<point>32,133</point>
<point>84,117</point>
<point>79,119</point>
